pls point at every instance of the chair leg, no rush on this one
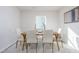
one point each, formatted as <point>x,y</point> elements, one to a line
<point>20,43</point>
<point>52,46</point>
<point>58,46</point>
<point>29,44</point>
<point>23,46</point>
<point>62,44</point>
<point>16,43</point>
<point>26,47</point>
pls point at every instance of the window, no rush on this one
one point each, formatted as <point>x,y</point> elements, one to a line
<point>40,23</point>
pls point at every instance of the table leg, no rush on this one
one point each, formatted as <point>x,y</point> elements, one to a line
<point>62,43</point>
<point>58,46</point>
<point>43,47</point>
<point>42,43</point>
<point>36,45</point>
<point>52,46</point>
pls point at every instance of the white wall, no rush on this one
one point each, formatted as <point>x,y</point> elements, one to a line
<point>29,17</point>
<point>9,22</point>
<point>70,30</point>
<point>62,25</point>
<point>61,13</point>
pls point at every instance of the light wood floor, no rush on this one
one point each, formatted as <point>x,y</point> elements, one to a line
<point>47,49</point>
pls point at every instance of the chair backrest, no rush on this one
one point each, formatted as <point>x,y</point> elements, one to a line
<point>23,34</point>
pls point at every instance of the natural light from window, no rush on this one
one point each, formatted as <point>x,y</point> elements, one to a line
<point>72,39</point>
<point>40,23</point>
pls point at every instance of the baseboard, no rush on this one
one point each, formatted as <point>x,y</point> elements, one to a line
<point>4,49</point>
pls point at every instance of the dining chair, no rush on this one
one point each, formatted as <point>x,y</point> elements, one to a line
<point>57,38</point>
<point>22,40</point>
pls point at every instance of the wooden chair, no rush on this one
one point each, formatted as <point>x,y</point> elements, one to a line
<point>57,39</point>
<point>22,40</point>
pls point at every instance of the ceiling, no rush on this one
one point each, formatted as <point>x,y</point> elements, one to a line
<point>39,8</point>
